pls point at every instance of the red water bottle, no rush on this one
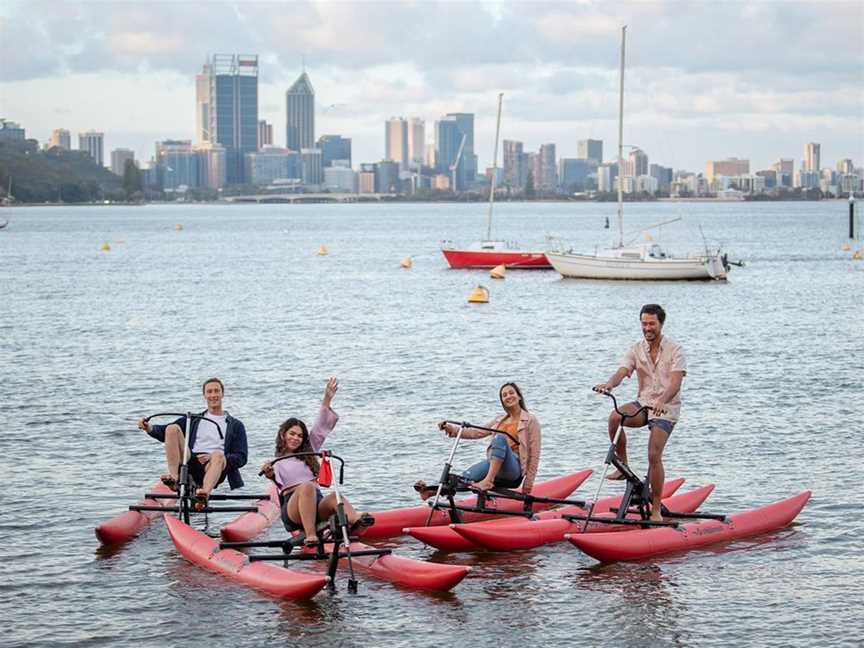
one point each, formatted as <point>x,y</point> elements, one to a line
<point>325,473</point>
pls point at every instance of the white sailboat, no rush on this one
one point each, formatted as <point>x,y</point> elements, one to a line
<point>647,261</point>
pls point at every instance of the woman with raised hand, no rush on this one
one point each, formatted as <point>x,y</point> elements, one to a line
<point>302,502</point>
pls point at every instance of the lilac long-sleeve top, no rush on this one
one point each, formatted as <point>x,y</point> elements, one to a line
<point>290,472</point>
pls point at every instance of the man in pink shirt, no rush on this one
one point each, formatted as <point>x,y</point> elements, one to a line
<point>660,367</point>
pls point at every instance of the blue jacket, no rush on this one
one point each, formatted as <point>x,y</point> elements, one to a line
<point>236,447</point>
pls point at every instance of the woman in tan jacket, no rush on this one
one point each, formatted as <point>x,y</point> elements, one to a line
<point>514,453</point>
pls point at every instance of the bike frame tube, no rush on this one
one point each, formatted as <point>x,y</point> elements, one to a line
<point>445,474</point>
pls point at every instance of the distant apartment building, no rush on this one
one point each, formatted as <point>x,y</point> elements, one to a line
<point>272,164</point>
<point>806,179</point>
<point>811,157</point>
<point>92,143</point>
<point>11,131</point>
<point>396,141</point>
<point>547,178</point>
<point>118,160</point>
<point>636,164</point>
<point>663,176</point>
<point>179,164</point>
<point>313,171</point>
<point>300,114</point>
<point>212,164</point>
<point>387,177</point>
<point>728,167</point>
<point>334,148</point>
<point>60,138</point>
<point>265,134</point>
<point>416,141</point>
<point>607,175</point>
<point>227,109</point>
<point>450,144</point>
<point>340,178</point>
<point>574,174</point>
<point>366,178</point>
<point>785,169</point>
<point>845,167</point>
<point>590,150</point>
<point>465,124</point>
<point>514,162</point>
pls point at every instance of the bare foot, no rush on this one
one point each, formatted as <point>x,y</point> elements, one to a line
<point>421,487</point>
<point>201,499</point>
<point>615,476</point>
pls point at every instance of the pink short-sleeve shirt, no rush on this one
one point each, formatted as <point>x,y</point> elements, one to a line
<point>654,378</point>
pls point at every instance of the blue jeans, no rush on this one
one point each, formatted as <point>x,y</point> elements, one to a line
<point>510,471</point>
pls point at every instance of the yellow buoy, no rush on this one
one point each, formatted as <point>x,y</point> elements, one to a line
<point>858,255</point>
<point>648,237</point>
<point>498,272</point>
<point>322,251</point>
<point>406,262</point>
<point>105,247</point>
<point>480,295</point>
<point>178,227</point>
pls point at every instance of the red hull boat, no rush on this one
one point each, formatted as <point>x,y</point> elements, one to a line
<point>483,257</point>
<point>608,547</point>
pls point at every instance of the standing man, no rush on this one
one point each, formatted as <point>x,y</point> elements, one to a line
<point>215,453</point>
<point>660,367</point>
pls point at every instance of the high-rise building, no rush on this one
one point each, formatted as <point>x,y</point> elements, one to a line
<point>416,141</point>
<point>60,138</point>
<point>92,143</point>
<point>845,166</point>
<point>450,144</point>
<point>636,164</point>
<point>333,148</point>
<point>573,173</point>
<point>179,164</point>
<point>514,162</point>
<point>663,176</point>
<point>811,157</point>
<point>212,166</point>
<point>272,164</point>
<point>396,141</point>
<point>387,176</point>
<point>465,124</point>
<point>785,169</point>
<point>607,174</point>
<point>590,150</point>
<point>729,167</point>
<point>227,101</point>
<point>300,114</point>
<point>118,160</point>
<point>265,134</point>
<point>313,172</point>
<point>11,131</point>
<point>547,177</point>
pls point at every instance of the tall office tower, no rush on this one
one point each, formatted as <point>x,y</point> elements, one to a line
<point>573,173</point>
<point>729,167</point>
<point>590,150</point>
<point>92,143</point>
<point>845,166</point>
<point>265,134</point>
<point>202,103</point>
<point>179,164</point>
<point>212,168</point>
<point>514,161</point>
<point>300,114</point>
<point>607,174</point>
<point>61,139</point>
<point>416,141</point>
<point>450,151</point>
<point>333,148</point>
<point>636,164</point>
<point>465,124</point>
<point>547,179</point>
<point>396,141</point>
<point>227,109</point>
<point>811,157</point>
<point>118,160</point>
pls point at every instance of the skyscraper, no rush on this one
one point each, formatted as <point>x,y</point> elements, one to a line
<point>118,160</point>
<point>60,137</point>
<point>515,165</point>
<point>590,150</point>
<point>92,143</point>
<point>636,165</point>
<point>227,109</point>
<point>465,124</point>
<point>448,142</point>
<point>416,141</point>
<point>300,114</point>
<point>265,134</point>
<point>547,179</point>
<point>396,141</point>
<point>811,157</point>
<point>334,147</point>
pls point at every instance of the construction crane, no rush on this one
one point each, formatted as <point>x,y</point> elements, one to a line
<point>455,164</point>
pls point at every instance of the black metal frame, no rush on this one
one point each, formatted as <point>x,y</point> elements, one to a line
<point>334,530</point>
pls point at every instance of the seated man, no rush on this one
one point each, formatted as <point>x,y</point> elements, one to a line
<point>214,455</point>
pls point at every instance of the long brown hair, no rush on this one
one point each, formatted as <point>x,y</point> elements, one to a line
<point>305,446</point>
<point>518,393</point>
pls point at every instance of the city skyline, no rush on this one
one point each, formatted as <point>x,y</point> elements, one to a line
<point>685,104</point>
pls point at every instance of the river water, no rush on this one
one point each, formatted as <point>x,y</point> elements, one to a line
<point>93,339</point>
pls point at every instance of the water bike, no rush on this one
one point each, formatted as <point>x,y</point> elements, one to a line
<point>336,545</point>
<point>253,521</point>
<point>655,537</point>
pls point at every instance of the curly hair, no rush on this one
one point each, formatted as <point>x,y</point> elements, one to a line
<point>305,446</point>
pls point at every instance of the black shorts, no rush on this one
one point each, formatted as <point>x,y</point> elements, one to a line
<point>291,525</point>
<point>196,471</point>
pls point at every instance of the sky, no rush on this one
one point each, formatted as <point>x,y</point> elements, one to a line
<point>705,80</point>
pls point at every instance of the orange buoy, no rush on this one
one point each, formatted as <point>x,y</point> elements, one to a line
<point>480,295</point>
<point>498,272</point>
<point>406,262</point>
<point>322,251</point>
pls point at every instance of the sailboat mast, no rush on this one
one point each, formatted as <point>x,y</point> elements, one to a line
<point>621,142</point>
<point>494,171</point>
